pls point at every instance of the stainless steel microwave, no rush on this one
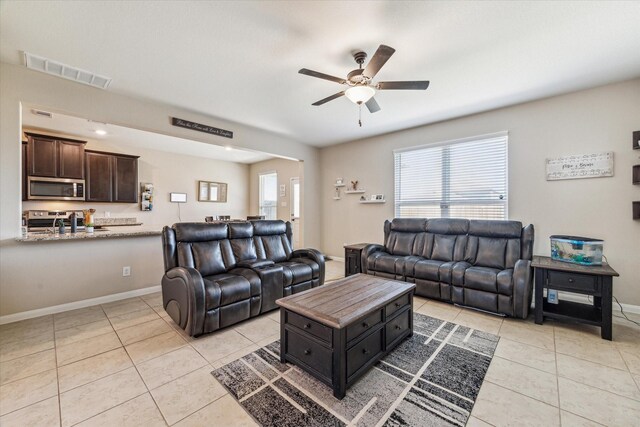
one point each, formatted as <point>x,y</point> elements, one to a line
<point>40,188</point>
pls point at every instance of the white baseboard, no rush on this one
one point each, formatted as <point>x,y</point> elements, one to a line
<point>336,258</point>
<point>628,308</point>
<point>10,318</point>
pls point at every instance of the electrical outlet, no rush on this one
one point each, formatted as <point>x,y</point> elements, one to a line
<point>552,296</point>
<point>126,271</point>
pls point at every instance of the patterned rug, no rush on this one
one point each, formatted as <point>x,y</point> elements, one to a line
<point>431,379</point>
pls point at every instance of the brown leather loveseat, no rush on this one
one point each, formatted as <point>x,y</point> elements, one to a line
<point>219,274</point>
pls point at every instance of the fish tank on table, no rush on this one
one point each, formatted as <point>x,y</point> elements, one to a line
<point>577,250</point>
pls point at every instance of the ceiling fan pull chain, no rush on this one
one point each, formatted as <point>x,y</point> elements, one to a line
<point>360,114</point>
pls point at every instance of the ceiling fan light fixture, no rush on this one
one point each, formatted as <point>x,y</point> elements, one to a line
<point>360,94</point>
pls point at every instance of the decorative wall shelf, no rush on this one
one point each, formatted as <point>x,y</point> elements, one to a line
<point>339,185</point>
<point>337,198</point>
<point>371,202</point>
<point>354,192</point>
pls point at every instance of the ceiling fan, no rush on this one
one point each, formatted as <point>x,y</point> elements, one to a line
<point>360,81</point>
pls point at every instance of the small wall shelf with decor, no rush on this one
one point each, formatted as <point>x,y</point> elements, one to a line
<point>354,192</point>
<point>371,202</point>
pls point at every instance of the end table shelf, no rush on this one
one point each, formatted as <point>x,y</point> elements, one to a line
<point>596,281</point>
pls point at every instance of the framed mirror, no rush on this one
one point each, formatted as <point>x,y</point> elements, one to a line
<point>209,191</point>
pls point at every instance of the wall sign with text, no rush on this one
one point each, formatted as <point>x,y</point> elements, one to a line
<point>597,165</point>
<point>201,128</point>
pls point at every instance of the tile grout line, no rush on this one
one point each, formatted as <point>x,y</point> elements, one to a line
<point>136,368</point>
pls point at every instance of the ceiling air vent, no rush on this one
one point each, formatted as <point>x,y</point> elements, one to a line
<point>68,72</point>
<point>42,113</point>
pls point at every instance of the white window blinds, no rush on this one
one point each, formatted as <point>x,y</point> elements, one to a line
<point>457,179</point>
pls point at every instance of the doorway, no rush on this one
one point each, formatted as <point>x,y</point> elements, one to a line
<point>294,203</point>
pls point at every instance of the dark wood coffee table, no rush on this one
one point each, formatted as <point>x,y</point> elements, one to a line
<point>336,332</point>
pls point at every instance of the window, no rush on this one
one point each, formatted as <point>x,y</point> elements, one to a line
<point>456,179</point>
<point>269,195</point>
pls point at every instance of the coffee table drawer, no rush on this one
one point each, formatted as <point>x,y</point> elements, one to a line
<point>362,326</point>
<point>363,352</point>
<point>397,304</point>
<point>573,281</point>
<point>311,327</point>
<point>310,353</point>
<point>398,326</point>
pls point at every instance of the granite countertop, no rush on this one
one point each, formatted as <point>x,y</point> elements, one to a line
<point>119,232</point>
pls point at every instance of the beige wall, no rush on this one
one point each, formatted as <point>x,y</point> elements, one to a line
<point>169,172</point>
<point>590,121</point>
<point>39,275</point>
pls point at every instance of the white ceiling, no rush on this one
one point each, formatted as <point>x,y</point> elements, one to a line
<point>239,60</point>
<point>126,138</point>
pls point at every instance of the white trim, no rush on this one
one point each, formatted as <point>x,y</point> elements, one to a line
<point>500,134</point>
<point>15,317</point>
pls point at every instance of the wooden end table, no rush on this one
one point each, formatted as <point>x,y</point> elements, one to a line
<point>338,331</point>
<point>353,258</point>
<point>596,281</point>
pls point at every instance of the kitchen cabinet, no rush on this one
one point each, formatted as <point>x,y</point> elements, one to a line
<point>111,177</point>
<point>54,157</point>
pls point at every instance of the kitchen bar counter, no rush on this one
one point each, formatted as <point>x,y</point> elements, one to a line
<point>118,232</point>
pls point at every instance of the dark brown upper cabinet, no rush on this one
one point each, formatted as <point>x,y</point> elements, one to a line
<point>55,157</point>
<point>111,177</point>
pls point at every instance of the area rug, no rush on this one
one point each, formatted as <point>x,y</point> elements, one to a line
<point>431,379</point>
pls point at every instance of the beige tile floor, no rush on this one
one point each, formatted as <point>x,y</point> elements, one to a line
<point>126,364</point>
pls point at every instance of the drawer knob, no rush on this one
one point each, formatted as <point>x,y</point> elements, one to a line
<point>365,351</point>
<point>307,325</point>
<point>571,280</point>
<point>307,352</point>
<point>398,304</point>
<point>365,325</point>
<point>398,327</point>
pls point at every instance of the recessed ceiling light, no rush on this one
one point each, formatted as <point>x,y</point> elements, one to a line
<point>228,148</point>
<point>101,132</point>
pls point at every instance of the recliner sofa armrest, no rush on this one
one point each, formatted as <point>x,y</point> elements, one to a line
<point>314,255</point>
<point>522,288</point>
<point>183,297</point>
<point>367,251</point>
<point>255,263</point>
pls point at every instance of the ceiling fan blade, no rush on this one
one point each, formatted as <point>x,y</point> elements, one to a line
<point>414,85</point>
<point>328,98</point>
<point>372,105</point>
<point>379,58</point>
<point>321,76</point>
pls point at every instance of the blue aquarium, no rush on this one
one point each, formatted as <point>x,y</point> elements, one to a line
<point>578,250</point>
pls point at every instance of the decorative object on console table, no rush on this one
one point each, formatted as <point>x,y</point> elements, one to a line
<point>596,165</point>
<point>146,197</point>
<point>352,258</point>
<point>636,140</point>
<point>595,281</point>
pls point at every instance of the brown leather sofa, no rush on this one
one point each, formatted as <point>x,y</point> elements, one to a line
<point>475,263</point>
<point>219,274</point>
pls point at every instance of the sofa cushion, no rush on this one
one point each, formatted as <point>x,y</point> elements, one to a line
<point>481,278</point>
<point>295,272</point>
<point>491,252</point>
<point>274,247</point>
<point>199,231</point>
<point>243,249</point>
<point>386,263</point>
<point>315,268</point>
<point>428,269</point>
<point>443,246</point>
<point>400,243</point>
<point>207,257</point>
<point>225,289</point>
